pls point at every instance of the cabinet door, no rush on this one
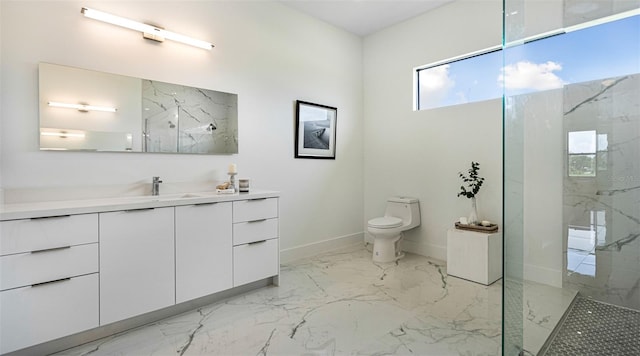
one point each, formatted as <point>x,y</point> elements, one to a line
<point>203,250</point>
<point>137,265</point>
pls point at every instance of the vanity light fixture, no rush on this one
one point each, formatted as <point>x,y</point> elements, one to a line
<point>151,32</point>
<point>81,107</point>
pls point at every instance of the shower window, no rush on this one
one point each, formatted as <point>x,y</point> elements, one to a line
<point>587,153</point>
<point>602,153</point>
<point>582,154</point>
<point>549,61</point>
<point>465,79</point>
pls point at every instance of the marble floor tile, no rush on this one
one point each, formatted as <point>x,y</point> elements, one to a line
<point>339,303</point>
<point>544,307</point>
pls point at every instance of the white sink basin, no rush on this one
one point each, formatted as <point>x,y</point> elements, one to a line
<point>165,197</point>
<point>179,196</point>
<point>162,197</point>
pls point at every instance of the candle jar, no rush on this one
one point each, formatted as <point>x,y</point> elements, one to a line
<point>243,185</point>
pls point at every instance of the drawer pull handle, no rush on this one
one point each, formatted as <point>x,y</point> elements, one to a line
<point>257,199</point>
<point>256,221</point>
<point>51,249</point>
<point>209,203</point>
<point>141,209</point>
<point>51,217</point>
<point>256,242</point>
<point>49,282</point>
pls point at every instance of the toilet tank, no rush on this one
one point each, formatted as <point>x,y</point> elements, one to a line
<point>405,208</point>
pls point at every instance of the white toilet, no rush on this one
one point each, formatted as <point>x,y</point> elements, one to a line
<point>401,214</point>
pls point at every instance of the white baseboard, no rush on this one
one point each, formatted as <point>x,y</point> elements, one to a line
<point>316,248</point>
<point>543,275</point>
<point>427,250</point>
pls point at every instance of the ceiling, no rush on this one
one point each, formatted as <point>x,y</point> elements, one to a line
<point>364,17</point>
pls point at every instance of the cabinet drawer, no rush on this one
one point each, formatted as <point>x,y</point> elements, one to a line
<point>18,236</point>
<point>32,315</point>
<point>255,261</point>
<point>255,209</point>
<point>26,269</point>
<point>256,230</point>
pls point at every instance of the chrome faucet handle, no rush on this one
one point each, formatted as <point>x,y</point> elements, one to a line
<point>155,186</point>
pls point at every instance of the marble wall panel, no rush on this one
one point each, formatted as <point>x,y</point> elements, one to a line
<point>607,203</point>
<point>189,120</point>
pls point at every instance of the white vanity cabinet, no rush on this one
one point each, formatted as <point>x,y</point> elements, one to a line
<point>137,265</point>
<point>255,240</point>
<point>48,279</point>
<point>91,269</point>
<point>203,250</point>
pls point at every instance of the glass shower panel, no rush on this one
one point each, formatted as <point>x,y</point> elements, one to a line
<point>571,155</point>
<point>513,194</point>
<point>161,131</point>
<point>513,269</point>
<point>601,210</point>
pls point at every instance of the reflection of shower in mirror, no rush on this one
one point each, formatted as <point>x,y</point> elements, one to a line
<point>202,118</point>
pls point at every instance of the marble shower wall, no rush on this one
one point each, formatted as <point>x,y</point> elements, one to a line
<point>602,212</point>
<point>184,119</point>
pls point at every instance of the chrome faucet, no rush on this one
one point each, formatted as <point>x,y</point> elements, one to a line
<point>155,186</point>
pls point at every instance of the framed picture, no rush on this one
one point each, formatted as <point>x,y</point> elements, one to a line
<point>315,130</point>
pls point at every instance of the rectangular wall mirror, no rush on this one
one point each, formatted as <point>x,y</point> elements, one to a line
<point>85,110</point>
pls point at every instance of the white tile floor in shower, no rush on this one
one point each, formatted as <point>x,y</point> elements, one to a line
<point>339,303</point>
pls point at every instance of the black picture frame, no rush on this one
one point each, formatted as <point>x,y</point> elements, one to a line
<point>315,135</point>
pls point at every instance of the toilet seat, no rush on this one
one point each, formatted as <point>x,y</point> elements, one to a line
<point>385,222</point>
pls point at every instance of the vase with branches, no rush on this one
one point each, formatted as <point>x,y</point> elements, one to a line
<point>470,188</point>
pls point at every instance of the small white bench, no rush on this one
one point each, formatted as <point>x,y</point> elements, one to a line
<point>475,256</point>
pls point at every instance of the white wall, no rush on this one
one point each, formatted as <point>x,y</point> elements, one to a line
<point>543,148</point>
<point>1,107</point>
<point>265,52</point>
<point>419,153</point>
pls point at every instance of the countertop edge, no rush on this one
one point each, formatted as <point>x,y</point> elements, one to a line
<point>89,206</point>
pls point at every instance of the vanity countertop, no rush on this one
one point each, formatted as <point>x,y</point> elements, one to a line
<point>86,206</point>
